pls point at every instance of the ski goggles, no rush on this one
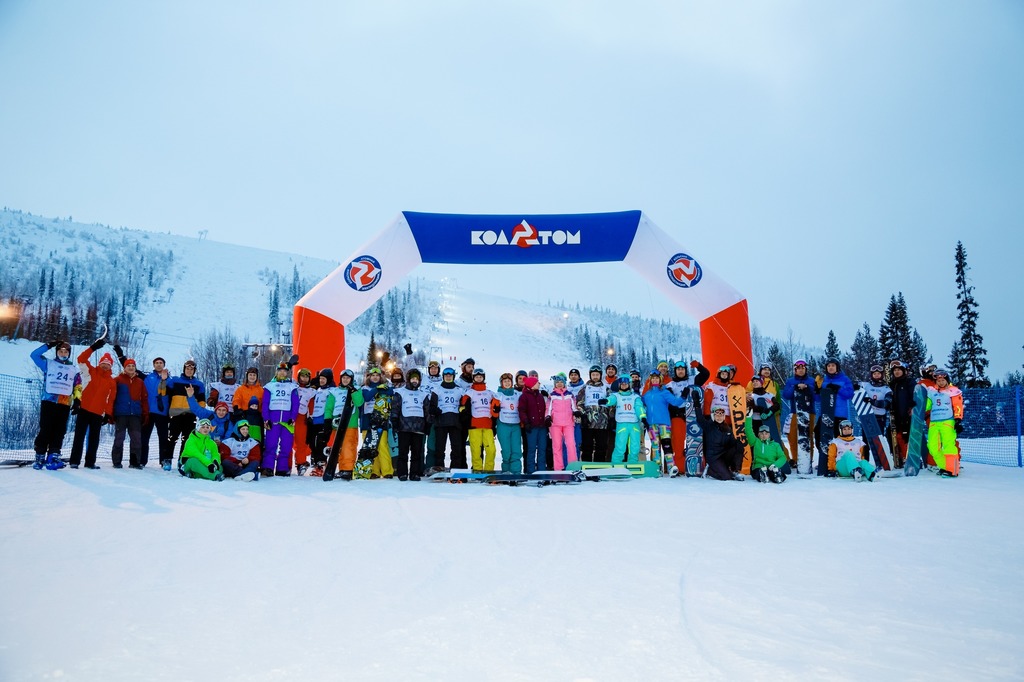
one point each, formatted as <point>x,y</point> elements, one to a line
<point>800,363</point>
<point>724,368</point>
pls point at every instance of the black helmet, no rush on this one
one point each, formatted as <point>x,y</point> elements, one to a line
<point>595,368</point>
<point>833,361</point>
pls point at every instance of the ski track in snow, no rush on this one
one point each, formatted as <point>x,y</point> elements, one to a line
<point>145,575</point>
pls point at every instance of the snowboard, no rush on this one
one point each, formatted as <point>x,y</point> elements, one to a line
<point>341,424</point>
<point>826,428</point>
<point>694,436</point>
<point>858,405</point>
<point>877,442</point>
<point>539,478</point>
<point>380,420</point>
<point>737,398</point>
<point>915,441</point>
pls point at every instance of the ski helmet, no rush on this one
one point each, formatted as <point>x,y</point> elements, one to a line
<point>479,372</point>
<point>348,373</point>
<point>926,371</point>
<point>845,424</point>
<point>448,370</point>
<point>469,361</point>
<point>634,372</point>
<point>833,361</point>
<point>893,364</point>
<point>304,372</point>
<point>877,368</point>
<point>624,381</point>
<point>724,368</point>
<point>611,365</point>
<point>559,377</point>
<point>654,373</point>
<point>507,375</point>
<point>374,370</point>
<point>521,373</point>
<point>767,366</point>
<point>799,363</point>
<point>764,429</point>
<point>595,368</point>
<point>940,373</point>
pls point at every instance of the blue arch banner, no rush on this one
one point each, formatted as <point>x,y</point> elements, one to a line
<point>523,239</point>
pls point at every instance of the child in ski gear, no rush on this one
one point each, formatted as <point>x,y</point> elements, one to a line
<point>769,460</point>
<point>483,408</point>
<point>182,421</point>
<point>680,386</point>
<point>723,453</point>
<point>223,390</point>
<point>319,432</point>
<point>201,456</point>
<point>716,393</point>
<point>97,407</point>
<point>848,455</point>
<point>800,391</point>
<point>247,402</point>
<point>409,419</point>
<point>658,400</point>
<point>300,444</point>
<point>902,386</point>
<point>878,395</point>
<point>220,419</point>
<point>240,454</point>
<point>591,400</point>
<point>629,415</point>
<point>334,410</point>
<point>834,380</point>
<point>376,423</point>
<point>60,377</point>
<point>945,409</point>
<point>532,413</point>
<point>559,418</point>
<point>445,409</point>
<point>131,411</point>
<point>280,407</point>
<point>509,432</point>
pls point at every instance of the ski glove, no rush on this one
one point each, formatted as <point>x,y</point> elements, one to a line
<point>547,421</point>
<point>958,425</point>
<point>99,343</point>
<point>869,399</point>
<point>75,406</point>
<point>602,401</point>
<point>53,344</point>
<point>118,352</point>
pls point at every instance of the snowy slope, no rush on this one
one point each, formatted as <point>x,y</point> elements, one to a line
<point>126,575</point>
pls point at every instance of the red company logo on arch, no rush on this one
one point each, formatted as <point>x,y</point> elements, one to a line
<point>524,235</point>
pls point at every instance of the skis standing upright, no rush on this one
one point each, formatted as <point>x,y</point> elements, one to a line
<point>737,397</point>
<point>341,424</point>
<point>915,440</point>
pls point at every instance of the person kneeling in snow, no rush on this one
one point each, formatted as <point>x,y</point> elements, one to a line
<point>848,455</point>
<point>201,458</point>
<point>770,462</point>
<point>240,454</point>
<point>722,451</point>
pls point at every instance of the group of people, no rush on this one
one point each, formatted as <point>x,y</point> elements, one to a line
<point>401,422</point>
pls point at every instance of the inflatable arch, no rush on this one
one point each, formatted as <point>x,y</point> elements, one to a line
<point>628,236</point>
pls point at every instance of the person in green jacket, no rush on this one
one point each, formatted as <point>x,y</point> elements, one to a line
<point>333,409</point>
<point>770,462</point>
<point>201,458</point>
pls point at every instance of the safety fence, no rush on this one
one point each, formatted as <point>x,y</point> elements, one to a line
<point>991,435</point>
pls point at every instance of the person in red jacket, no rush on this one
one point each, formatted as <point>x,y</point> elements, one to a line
<point>97,407</point>
<point>131,412</point>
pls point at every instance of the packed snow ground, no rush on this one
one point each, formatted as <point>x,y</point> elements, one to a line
<point>127,575</point>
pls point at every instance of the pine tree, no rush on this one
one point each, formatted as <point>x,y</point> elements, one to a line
<point>971,348</point>
<point>274,316</point>
<point>863,354</point>
<point>957,365</point>
<point>371,352</point>
<point>917,356</point>
<point>831,346</point>
<point>779,361</point>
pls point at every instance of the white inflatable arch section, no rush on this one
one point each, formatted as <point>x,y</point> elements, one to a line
<point>628,236</point>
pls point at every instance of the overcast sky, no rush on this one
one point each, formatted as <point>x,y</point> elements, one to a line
<point>819,155</point>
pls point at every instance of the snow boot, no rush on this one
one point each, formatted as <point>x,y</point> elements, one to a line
<point>40,462</point>
<point>774,475</point>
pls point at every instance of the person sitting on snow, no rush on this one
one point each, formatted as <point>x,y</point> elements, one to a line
<point>770,462</point>
<point>848,455</point>
<point>240,454</point>
<point>201,457</point>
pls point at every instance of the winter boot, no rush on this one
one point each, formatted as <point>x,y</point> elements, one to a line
<point>345,475</point>
<point>762,475</point>
<point>774,475</point>
<point>54,462</point>
<point>318,471</point>
<point>40,462</point>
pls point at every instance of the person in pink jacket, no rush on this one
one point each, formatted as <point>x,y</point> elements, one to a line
<point>561,410</point>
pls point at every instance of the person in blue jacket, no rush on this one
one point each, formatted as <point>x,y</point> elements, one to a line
<point>60,377</point>
<point>835,381</point>
<point>219,416</point>
<point>657,400</point>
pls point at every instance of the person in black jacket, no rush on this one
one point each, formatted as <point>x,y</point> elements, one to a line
<point>722,451</point>
<point>902,405</point>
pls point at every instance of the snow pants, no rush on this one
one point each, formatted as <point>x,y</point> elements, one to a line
<point>848,462</point>
<point>563,445</point>
<point>722,465</point>
<point>179,426</point>
<point>87,424</point>
<point>410,454</point>
<point>53,426</point>
<point>431,458</point>
<point>595,445</point>
<point>942,445</point>
<point>661,442</point>
<point>278,452</point>
<point>300,445</point>
<point>511,441</point>
<point>319,435</point>
<point>481,449</point>
<point>627,435</point>
<point>536,443</point>
<point>193,468</point>
<point>677,435</point>
<point>160,423</point>
<point>453,435</point>
<point>347,454</point>
<point>233,469</point>
<point>383,465</point>
<point>577,435</point>
<point>132,426</point>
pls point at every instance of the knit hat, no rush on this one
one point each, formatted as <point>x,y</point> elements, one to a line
<point>559,377</point>
<point>107,358</point>
<point>222,404</point>
<point>531,382</point>
<point>128,361</point>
